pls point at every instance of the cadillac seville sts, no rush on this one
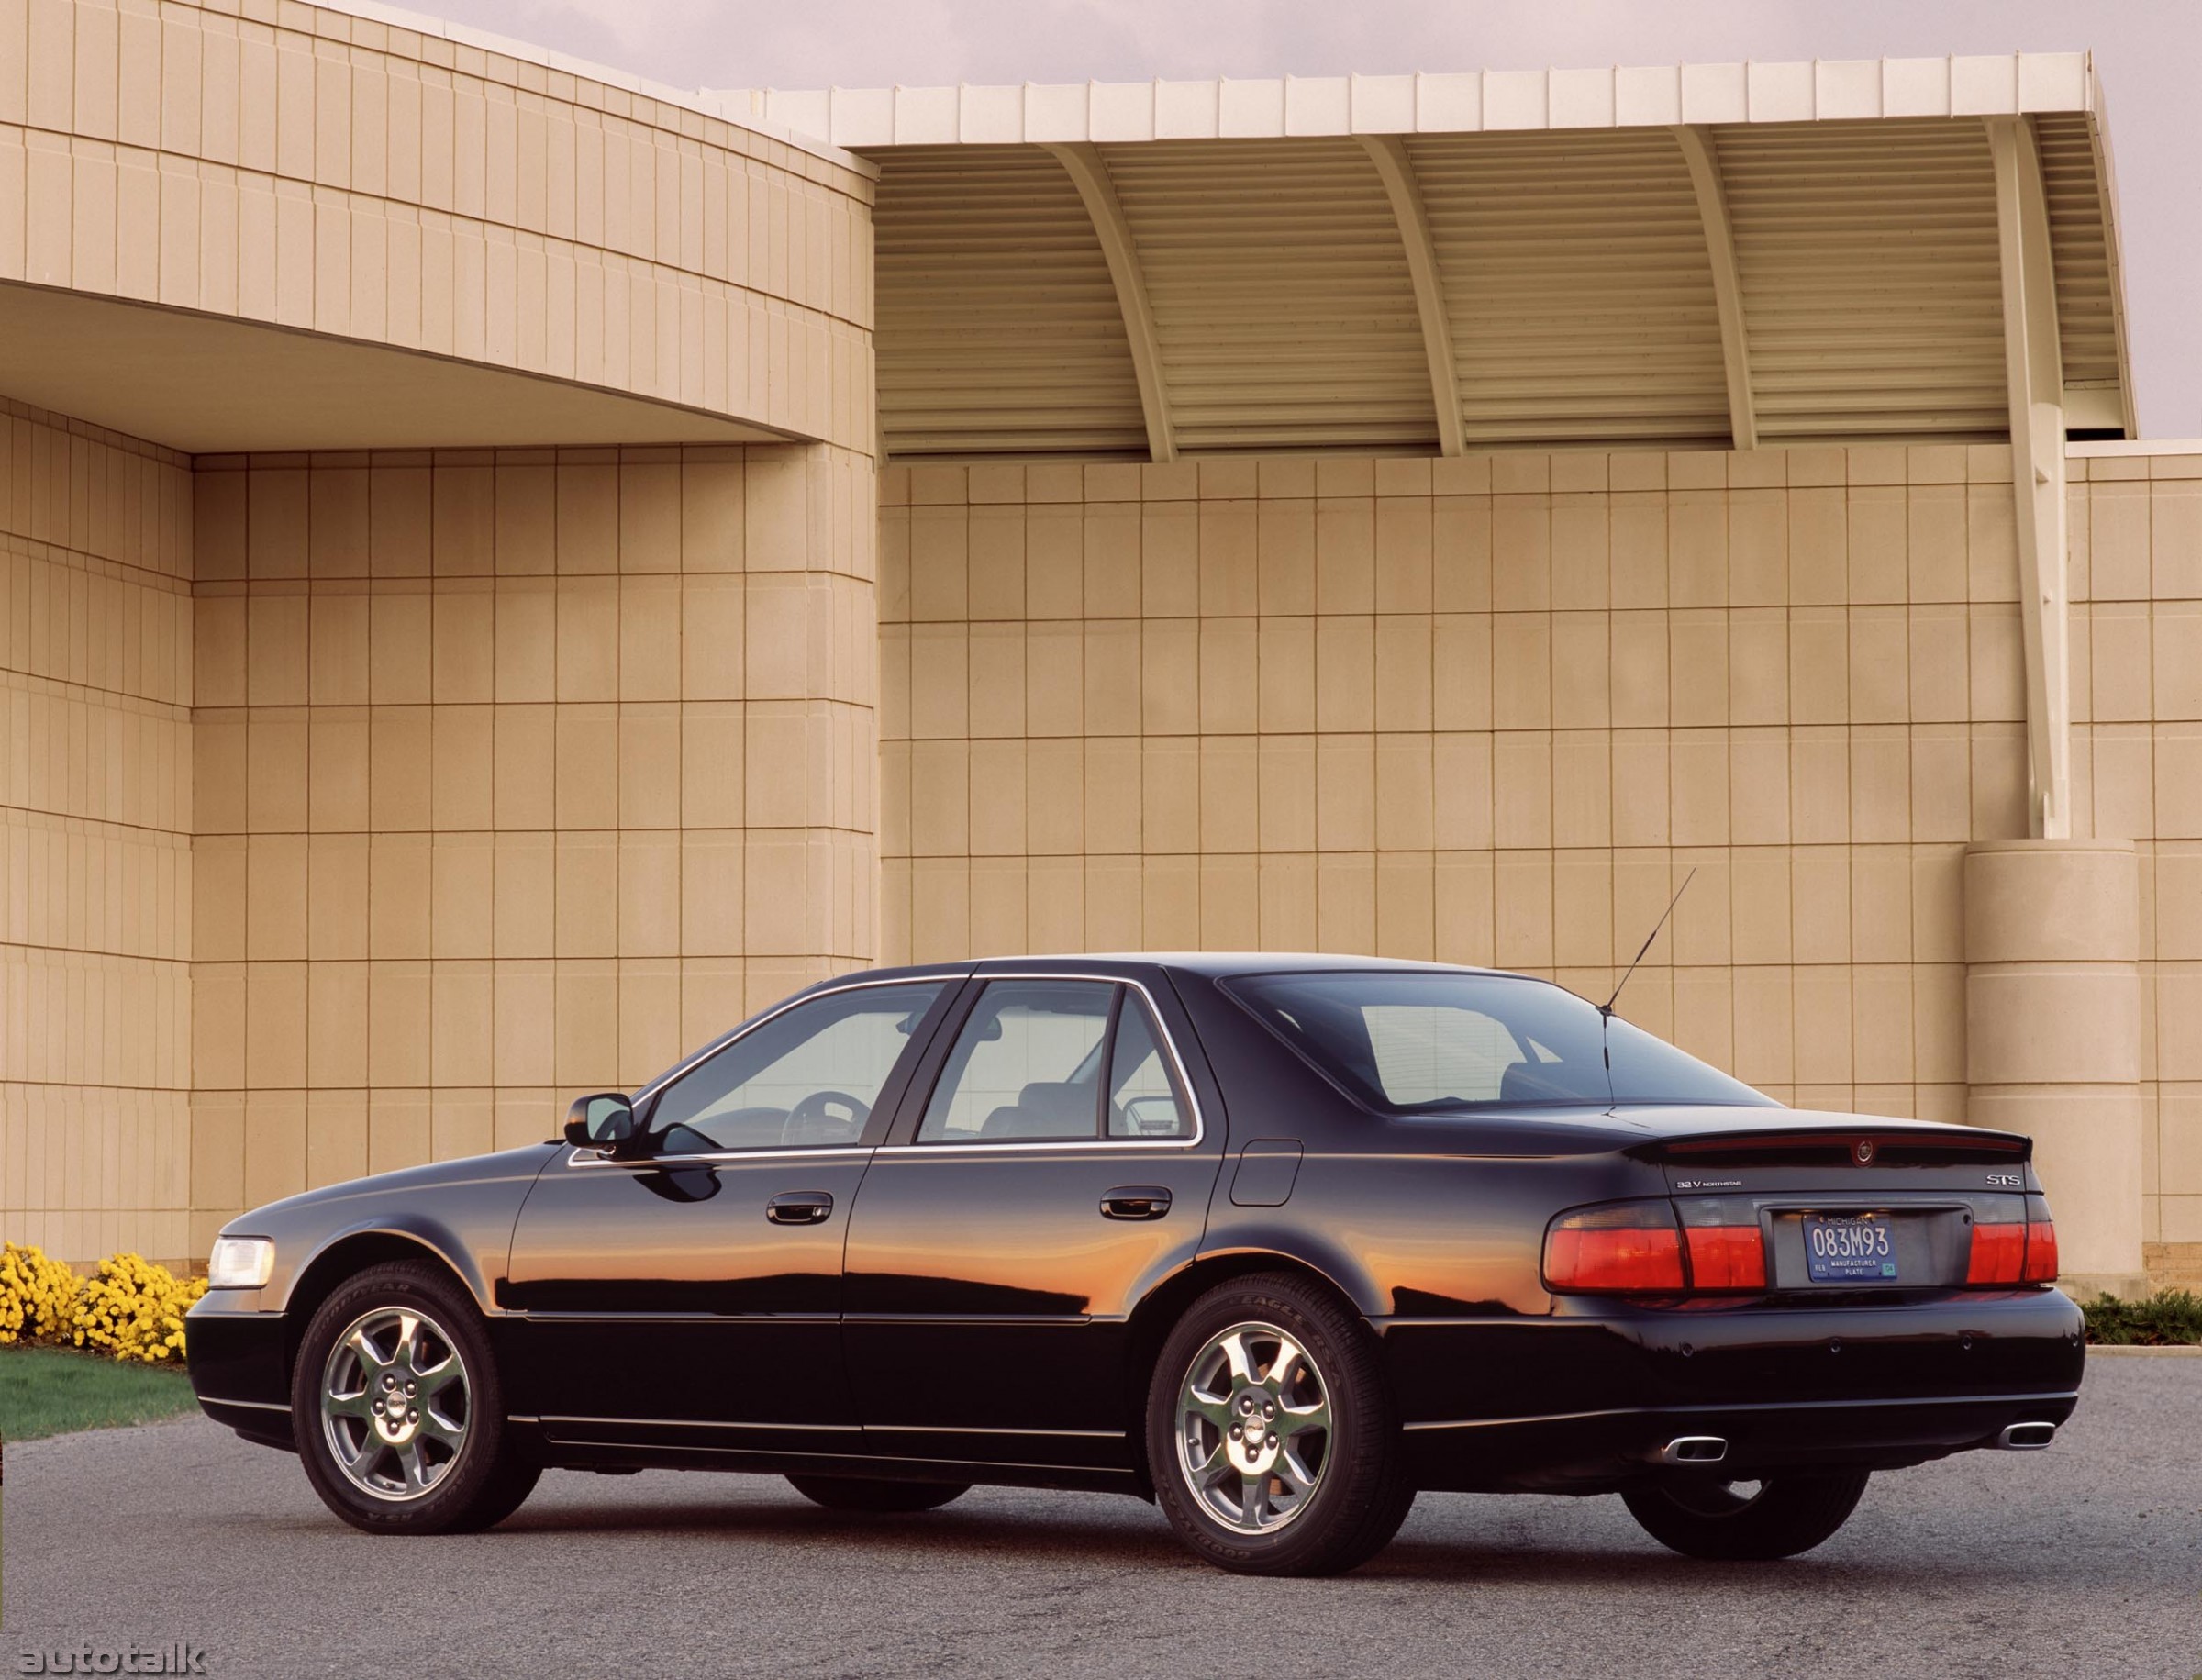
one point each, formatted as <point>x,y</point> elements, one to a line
<point>1278,1242</point>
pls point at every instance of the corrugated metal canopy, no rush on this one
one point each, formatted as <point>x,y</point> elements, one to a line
<point>1005,329</point>
<point>1282,309</point>
<point>1575,281</point>
<point>1873,295</point>
<point>1760,253</point>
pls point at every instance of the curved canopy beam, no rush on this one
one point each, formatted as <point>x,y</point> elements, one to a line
<point>1397,171</point>
<point>1090,175</point>
<point>1728,293</point>
<point>2033,360</point>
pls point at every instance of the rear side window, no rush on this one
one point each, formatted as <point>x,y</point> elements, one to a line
<point>1058,1061</point>
<point>1415,1042</point>
<point>1143,1097</point>
<point>1027,1066</point>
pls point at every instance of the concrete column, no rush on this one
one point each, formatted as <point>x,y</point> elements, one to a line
<point>2053,1035</point>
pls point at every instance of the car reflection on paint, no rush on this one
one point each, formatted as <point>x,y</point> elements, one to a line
<point>1277,1242</point>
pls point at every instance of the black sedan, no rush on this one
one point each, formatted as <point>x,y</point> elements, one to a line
<point>1276,1241</point>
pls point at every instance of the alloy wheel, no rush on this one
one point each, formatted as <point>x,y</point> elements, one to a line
<point>395,1404</point>
<point>1254,1428</point>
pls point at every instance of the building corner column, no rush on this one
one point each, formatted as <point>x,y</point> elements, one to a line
<point>2052,1037</point>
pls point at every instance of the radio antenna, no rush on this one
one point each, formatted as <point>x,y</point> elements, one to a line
<point>1605,1008</point>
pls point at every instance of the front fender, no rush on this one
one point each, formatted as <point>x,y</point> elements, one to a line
<point>435,1235</point>
<point>242,1341</point>
<point>462,1213</point>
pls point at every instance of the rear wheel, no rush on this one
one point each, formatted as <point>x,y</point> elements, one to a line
<point>398,1410</point>
<point>849,1493</point>
<point>1270,1433</point>
<point>1746,1520</point>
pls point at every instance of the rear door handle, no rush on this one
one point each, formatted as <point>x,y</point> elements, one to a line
<point>800,1208</point>
<point>1135,1202</point>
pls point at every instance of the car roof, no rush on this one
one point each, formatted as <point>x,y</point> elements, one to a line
<point>1214,963</point>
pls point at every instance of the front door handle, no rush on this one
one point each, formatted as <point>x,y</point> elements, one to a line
<point>1135,1202</point>
<point>800,1208</point>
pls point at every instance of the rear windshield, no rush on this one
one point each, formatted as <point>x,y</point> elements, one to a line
<point>1433,1042</point>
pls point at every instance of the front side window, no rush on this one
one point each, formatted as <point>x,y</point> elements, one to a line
<point>1429,1043</point>
<point>807,1078</point>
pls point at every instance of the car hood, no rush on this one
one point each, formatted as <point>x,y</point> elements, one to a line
<point>505,1165</point>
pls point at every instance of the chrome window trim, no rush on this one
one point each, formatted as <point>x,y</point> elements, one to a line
<point>1169,1041</point>
<point>739,1033</point>
<point>721,1157</point>
<point>597,1158</point>
<point>593,1158</point>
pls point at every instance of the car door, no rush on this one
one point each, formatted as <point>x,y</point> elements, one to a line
<point>687,1291</point>
<point>1050,1164</point>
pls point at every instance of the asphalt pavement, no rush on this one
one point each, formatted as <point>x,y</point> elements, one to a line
<point>2086,1560</point>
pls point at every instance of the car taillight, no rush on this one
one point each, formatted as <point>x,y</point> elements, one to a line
<point>2041,1252</point>
<point>2007,1250</point>
<point>1626,1248</point>
<point>1727,1257</point>
<point>1998,1255</point>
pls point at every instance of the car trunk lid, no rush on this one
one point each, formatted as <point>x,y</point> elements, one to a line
<point>1845,1202</point>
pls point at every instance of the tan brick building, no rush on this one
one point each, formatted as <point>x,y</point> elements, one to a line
<point>504,570</point>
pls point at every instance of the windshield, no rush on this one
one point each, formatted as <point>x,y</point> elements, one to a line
<point>1430,1043</point>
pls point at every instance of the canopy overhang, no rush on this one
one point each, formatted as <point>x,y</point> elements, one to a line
<point>1719,255</point>
<point>208,383</point>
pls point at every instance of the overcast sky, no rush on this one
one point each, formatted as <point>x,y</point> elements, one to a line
<point>2149,53</point>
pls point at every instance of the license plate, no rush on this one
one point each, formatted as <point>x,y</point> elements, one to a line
<point>1850,1251</point>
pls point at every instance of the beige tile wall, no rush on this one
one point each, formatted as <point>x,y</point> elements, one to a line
<point>96,869</point>
<point>510,772</point>
<point>516,774</point>
<point>2136,758</point>
<point>1485,710</point>
<point>286,164</point>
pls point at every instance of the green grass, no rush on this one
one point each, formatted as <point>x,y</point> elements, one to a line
<point>2170,1317</point>
<point>55,1391</point>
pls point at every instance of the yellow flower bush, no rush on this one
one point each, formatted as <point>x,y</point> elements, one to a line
<point>38,1295</point>
<point>130,1307</point>
<point>135,1308</point>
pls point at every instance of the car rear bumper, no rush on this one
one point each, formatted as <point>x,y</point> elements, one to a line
<point>1598,1452</point>
<point>1584,1400</point>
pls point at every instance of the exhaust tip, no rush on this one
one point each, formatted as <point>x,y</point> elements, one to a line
<point>1702,1449</point>
<point>2026,1436</point>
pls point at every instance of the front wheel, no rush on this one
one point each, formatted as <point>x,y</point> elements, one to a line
<point>875,1494</point>
<point>1270,1433</point>
<point>398,1410</point>
<point>1746,1521</point>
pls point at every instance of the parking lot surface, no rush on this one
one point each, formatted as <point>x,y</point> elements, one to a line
<point>2086,1560</point>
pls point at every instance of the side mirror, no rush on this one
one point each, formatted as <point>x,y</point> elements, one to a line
<point>605,1121</point>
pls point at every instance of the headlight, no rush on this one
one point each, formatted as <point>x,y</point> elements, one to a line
<point>240,1262</point>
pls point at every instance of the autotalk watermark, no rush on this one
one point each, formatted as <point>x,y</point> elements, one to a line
<point>176,1657</point>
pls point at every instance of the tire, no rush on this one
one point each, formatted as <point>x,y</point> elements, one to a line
<point>851,1493</point>
<point>1321,1497</point>
<point>450,1465</point>
<point>1789,1514</point>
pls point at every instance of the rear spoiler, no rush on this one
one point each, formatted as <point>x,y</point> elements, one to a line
<point>1863,1146</point>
